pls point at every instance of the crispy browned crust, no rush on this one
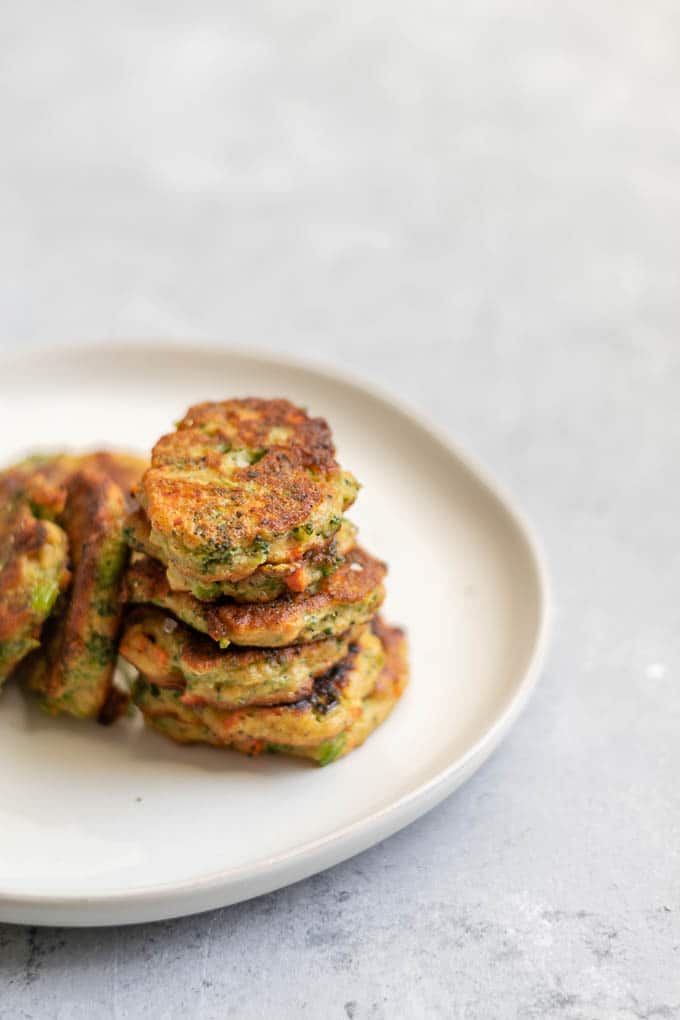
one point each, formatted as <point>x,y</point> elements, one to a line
<point>34,494</point>
<point>146,581</point>
<point>93,513</point>
<point>394,676</point>
<point>333,703</point>
<point>343,718</point>
<point>39,481</point>
<point>140,646</point>
<point>191,497</point>
<point>116,705</point>
<point>268,582</point>
<point>376,706</point>
<point>33,556</point>
<point>21,535</point>
<point>74,672</point>
<point>177,657</point>
<point>125,469</point>
<point>42,481</point>
<point>357,582</point>
<point>248,423</point>
<point>320,694</point>
<point>345,586</point>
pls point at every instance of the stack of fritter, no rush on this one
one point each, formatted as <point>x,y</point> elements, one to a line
<point>62,560</point>
<point>255,621</point>
<point>253,611</point>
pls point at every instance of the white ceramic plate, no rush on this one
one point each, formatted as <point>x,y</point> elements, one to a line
<point>108,826</point>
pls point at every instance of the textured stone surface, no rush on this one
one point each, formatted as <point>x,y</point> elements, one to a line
<point>478,206</point>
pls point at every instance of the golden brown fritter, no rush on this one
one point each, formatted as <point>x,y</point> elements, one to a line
<point>33,549</point>
<point>73,673</point>
<point>391,684</point>
<point>241,483</point>
<point>188,726</point>
<point>125,469</point>
<point>201,673</point>
<point>33,571</point>
<point>40,481</point>
<point>352,594</point>
<point>267,582</point>
<point>334,702</point>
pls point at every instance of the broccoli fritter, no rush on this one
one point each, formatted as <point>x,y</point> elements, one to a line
<point>241,483</point>
<point>33,572</point>
<point>39,481</point>
<point>352,594</point>
<point>125,469</point>
<point>390,685</point>
<point>199,672</point>
<point>369,708</point>
<point>74,670</point>
<point>267,582</point>
<point>33,544</point>
<point>334,702</point>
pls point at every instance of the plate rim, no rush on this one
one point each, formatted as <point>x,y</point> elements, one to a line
<point>138,903</point>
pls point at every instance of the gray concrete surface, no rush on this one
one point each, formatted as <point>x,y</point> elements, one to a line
<point>476,204</point>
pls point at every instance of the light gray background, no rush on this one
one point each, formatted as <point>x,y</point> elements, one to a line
<point>477,205</point>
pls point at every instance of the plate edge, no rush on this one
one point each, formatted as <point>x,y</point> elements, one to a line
<point>130,907</point>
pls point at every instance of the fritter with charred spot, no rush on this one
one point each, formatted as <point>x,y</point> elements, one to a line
<point>198,672</point>
<point>375,708</point>
<point>368,700</point>
<point>332,705</point>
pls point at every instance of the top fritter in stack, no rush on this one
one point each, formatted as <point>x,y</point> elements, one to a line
<point>256,623</point>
